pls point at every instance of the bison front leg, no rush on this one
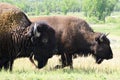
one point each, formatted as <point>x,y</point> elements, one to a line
<point>67,60</point>
<point>70,62</point>
<point>63,60</point>
<point>11,64</point>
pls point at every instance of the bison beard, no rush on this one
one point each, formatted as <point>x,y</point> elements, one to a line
<point>75,36</point>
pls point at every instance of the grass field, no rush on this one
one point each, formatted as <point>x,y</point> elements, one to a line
<point>84,67</point>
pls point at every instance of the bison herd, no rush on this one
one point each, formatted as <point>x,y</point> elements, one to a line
<point>40,38</point>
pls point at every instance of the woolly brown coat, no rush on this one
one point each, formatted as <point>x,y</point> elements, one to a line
<point>75,36</point>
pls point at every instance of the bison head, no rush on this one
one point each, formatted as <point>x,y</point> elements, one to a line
<point>102,49</point>
<point>43,40</point>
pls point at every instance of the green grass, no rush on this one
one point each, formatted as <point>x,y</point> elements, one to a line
<point>61,74</point>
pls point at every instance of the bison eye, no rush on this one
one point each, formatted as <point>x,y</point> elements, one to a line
<point>44,40</point>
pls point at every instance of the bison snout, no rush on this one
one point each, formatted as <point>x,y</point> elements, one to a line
<point>111,56</point>
<point>42,62</point>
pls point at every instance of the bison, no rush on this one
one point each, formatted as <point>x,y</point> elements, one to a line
<point>75,36</point>
<point>21,38</point>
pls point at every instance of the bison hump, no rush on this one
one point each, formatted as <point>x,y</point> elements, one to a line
<point>12,17</point>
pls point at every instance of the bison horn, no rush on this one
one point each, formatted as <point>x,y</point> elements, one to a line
<point>107,34</point>
<point>36,33</point>
<point>101,37</point>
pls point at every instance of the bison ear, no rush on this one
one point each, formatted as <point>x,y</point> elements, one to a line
<point>97,40</point>
<point>100,39</point>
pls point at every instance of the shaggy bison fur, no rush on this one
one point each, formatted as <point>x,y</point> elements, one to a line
<point>75,36</point>
<point>21,38</point>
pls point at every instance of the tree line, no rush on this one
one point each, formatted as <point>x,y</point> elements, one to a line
<point>91,8</point>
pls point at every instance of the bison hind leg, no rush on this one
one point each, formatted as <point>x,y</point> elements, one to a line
<point>8,65</point>
<point>4,63</point>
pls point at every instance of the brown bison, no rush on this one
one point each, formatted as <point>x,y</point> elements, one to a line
<point>21,38</point>
<point>75,36</point>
